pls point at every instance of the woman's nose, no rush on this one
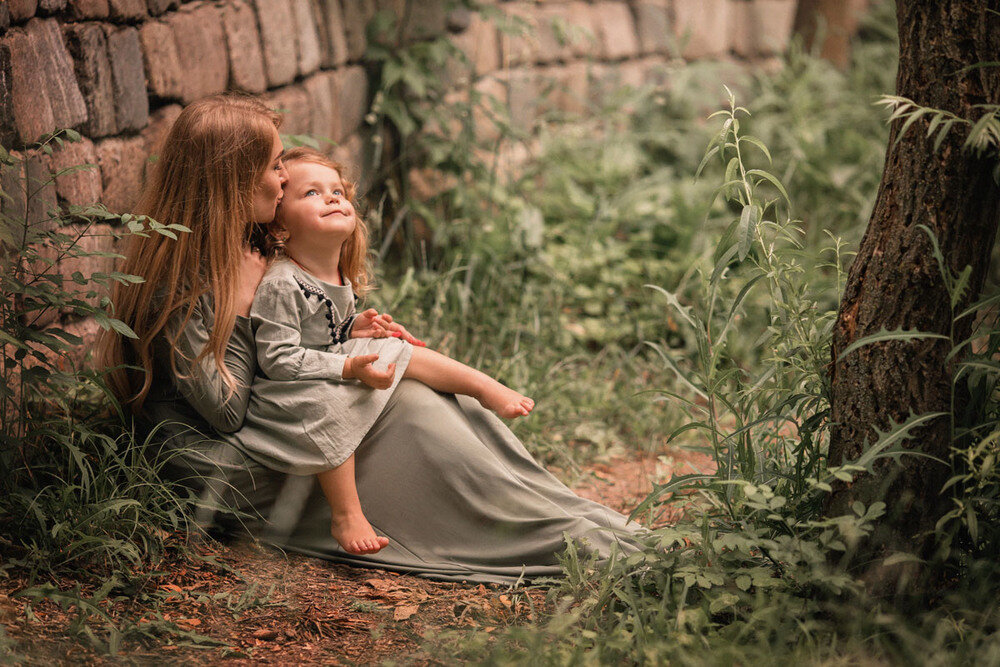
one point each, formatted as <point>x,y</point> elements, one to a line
<point>283,175</point>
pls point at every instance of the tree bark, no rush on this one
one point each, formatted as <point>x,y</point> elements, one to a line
<point>833,21</point>
<point>895,281</point>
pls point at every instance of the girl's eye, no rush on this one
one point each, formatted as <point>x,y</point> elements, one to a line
<point>338,191</point>
<point>311,191</point>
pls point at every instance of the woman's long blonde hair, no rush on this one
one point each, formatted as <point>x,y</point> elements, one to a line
<point>354,253</point>
<point>208,168</point>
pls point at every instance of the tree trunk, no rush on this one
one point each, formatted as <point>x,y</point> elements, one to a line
<point>895,281</point>
<point>833,21</point>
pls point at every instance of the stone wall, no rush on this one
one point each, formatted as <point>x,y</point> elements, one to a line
<point>120,71</point>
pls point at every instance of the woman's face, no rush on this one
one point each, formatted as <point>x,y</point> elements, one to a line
<point>268,191</point>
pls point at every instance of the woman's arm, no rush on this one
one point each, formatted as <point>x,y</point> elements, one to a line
<point>202,384</point>
<point>204,387</point>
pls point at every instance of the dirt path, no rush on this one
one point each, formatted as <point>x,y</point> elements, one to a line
<point>246,604</point>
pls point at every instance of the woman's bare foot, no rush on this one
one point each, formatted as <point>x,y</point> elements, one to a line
<point>356,535</point>
<point>505,401</point>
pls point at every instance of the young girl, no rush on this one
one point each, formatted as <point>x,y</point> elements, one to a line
<point>325,372</point>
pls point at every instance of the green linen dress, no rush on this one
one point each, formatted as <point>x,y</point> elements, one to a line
<point>456,493</point>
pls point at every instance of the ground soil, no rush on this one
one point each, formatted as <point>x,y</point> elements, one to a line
<point>246,604</point>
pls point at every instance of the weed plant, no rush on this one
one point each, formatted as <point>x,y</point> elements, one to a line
<point>80,497</point>
<point>753,571</point>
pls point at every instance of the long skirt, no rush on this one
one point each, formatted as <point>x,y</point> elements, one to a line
<point>455,492</point>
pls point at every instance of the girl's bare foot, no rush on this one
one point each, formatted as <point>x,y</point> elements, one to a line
<point>505,401</point>
<point>356,535</point>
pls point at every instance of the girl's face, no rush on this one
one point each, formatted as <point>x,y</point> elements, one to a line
<point>315,209</point>
<point>269,190</point>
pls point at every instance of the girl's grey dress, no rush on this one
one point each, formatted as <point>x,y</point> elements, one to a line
<point>444,479</point>
<point>303,417</point>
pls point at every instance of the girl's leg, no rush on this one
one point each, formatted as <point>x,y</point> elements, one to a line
<point>445,374</point>
<point>348,525</point>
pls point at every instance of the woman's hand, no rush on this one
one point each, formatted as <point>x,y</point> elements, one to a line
<point>252,268</point>
<point>360,367</point>
<point>372,324</point>
<point>397,330</point>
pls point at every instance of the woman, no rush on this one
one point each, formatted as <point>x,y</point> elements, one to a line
<point>456,494</point>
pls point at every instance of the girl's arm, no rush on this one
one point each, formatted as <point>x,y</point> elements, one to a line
<point>202,384</point>
<point>277,315</point>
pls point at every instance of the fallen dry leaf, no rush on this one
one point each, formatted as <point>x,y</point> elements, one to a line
<point>265,634</point>
<point>404,611</point>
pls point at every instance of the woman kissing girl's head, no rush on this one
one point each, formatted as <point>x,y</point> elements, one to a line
<point>217,173</point>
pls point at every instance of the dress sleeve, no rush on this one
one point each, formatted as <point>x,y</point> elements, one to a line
<point>277,315</point>
<point>202,384</point>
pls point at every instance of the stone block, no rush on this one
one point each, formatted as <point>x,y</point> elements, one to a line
<point>160,122</point>
<point>523,86</point>
<point>12,184</point>
<point>325,122</point>
<point>761,27</point>
<point>351,93</point>
<point>293,103</point>
<point>331,32</point>
<point>519,45</point>
<point>568,88</point>
<point>652,23</point>
<point>29,102</point>
<point>357,14</point>
<point>555,33</point>
<point>424,20</point>
<point>490,109</point>
<point>603,81</point>
<point>86,329</point>
<point>310,52</point>
<point>97,238</point>
<point>127,77</point>
<point>201,46</point>
<point>127,10</point>
<point>89,9</point>
<point>246,61</point>
<point>458,20</point>
<point>481,45</point>
<point>632,74</point>
<point>22,10</point>
<point>40,188</point>
<point>349,154</point>
<point>615,30</point>
<point>75,185</point>
<point>8,126</point>
<point>164,72</point>
<point>702,27</point>
<point>157,7</point>
<point>68,106</point>
<point>277,33</point>
<point>49,7</point>
<point>657,72</point>
<point>122,162</point>
<point>88,46</point>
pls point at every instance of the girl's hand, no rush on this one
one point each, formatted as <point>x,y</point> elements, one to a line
<point>368,325</point>
<point>397,330</point>
<point>360,367</point>
<point>252,268</point>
